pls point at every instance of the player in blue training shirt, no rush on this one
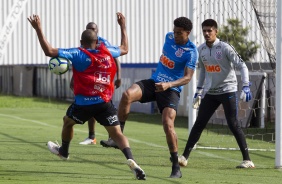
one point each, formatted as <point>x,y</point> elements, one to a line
<point>93,72</point>
<point>91,139</point>
<point>175,69</point>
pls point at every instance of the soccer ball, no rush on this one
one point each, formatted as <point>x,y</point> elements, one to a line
<point>59,65</point>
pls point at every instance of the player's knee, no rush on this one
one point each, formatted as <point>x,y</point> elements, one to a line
<point>65,118</point>
<point>126,96</point>
<point>168,128</point>
<point>68,122</point>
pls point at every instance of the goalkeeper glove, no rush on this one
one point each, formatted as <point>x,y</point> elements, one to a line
<point>246,94</point>
<point>197,98</point>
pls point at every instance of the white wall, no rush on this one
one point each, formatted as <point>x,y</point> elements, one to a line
<point>64,20</point>
<point>147,23</point>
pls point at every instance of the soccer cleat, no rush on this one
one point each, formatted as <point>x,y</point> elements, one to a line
<point>88,141</point>
<point>137,171</point>
<point>182,161</point>
<point>175,173</point>
<point>246,164</point>
<point>54,148</point>
<point>109,143</point>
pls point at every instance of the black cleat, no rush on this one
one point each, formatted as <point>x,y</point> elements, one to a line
<point>110,143</point>
<point>175,174</point>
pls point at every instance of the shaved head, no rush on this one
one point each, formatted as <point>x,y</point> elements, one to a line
<point>92,26</point>
<point>88,37</point>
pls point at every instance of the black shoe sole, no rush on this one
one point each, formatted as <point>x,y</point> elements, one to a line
<point>140,175</point>
<point>176,174</point>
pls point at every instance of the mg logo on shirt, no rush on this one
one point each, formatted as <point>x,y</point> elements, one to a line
<point>212,68</point>
<point>167,62</point>
<point>103,78</point>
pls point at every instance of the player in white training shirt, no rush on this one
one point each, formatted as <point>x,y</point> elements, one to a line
<point>217,80</point>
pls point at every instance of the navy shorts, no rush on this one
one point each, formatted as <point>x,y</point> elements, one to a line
<point>168,98</point>
<point>104,113</point>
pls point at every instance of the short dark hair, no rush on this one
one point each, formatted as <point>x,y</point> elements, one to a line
<point>209,22</point>
<point>183,22</point>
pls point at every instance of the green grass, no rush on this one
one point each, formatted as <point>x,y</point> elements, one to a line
<point>26,124</point>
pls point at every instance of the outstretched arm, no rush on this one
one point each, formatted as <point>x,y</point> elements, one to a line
<point>46,47</point>
<point>124,38</point>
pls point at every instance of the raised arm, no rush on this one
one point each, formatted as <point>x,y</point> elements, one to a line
<point>46,47</point>
<point>124,38</point>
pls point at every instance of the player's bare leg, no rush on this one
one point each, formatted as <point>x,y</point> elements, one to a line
<point>123,144</point>
<point>67,135</point>
<point>131,95</point>
<point>168,117</point>
<point>91,139</point>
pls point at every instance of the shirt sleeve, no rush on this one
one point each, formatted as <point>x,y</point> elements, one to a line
<point>115,51</point>
<point>202,74</point>
<point>105,41</point>
<point>239,64</point>
<point>78,59</point>
<point>192,61</point>
<point>69,54</point>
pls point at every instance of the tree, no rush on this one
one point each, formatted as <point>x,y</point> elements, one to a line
<point>235,34</point>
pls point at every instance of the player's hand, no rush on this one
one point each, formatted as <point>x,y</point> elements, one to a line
<point>162,86</point>
<point>35,21</point>
<point>246,94</point>
<point>117,83</point>
<point>197,98</point>
<point>121,19</point>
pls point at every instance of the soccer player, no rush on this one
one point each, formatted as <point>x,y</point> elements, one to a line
<point>93,93</point>
<point>175,69</point>
<point>217,80</point>
<point>91,139</point>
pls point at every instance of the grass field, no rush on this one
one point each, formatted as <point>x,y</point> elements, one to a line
<point>26,124</point>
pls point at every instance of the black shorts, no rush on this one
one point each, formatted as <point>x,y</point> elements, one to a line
<point>167,98</point>
<point>104,113</point>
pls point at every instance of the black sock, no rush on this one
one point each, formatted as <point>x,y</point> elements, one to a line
<point>122,123</point>
<point>245,154</point>
<point>91,135</point>
<point>127,153</point>
<point>174,159</point>
<point>64,149</point>
<point>187,152</point>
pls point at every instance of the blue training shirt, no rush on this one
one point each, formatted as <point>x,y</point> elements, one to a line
<point>113,49</point>
<point>174,59</point>
<point>81,61</point>
<point>105,41</point>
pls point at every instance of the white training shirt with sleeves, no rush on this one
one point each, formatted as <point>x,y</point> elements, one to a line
<point>217,73</point>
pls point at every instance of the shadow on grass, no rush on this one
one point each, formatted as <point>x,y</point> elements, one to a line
<point>263,134</point>
<point>180,121</point>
